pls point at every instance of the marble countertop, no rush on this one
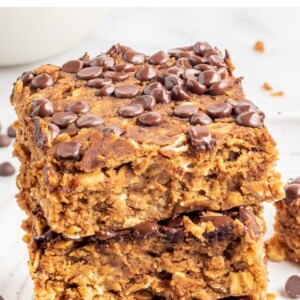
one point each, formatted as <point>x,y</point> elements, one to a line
<point>153,29</point>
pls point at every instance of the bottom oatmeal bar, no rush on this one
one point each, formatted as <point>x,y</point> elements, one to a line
<point>286,241</point>
<point>200,255</point>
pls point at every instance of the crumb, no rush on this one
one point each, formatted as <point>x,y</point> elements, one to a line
<point>266,87</point>
<point>259,46</point>
<point>271,296</point>
<point>277,94</point>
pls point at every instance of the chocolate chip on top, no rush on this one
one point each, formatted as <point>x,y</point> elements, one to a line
<point>104,61</point>
<point>134,57</point>
<point>292,191</point>
<point>185,111</point>
<point>200,139</point>
<point>221,110</point>
<point>131,110</point>
<point>158,58</point>
<point>200,118</point>
<point>42,81</point>
<point>152,118</point>
<point>42,107</point>
<point>27,77</point>
<point>148,102</point>
<point>69,150</point>
<point>145,74</point>
<point>89,73</point>
<point>63,119</point>
<point>126,91</point>
<point>89,121</point>
<point>78,107</point>
<point>72,66</point>
<point>249,119</point>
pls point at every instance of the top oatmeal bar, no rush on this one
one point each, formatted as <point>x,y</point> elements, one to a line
<point>124,138</point>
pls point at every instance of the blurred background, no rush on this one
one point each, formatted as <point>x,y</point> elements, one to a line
<point>33,36</point>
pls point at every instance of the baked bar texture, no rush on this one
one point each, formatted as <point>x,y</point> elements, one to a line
<point>286,240</point>
<point>125,138</point>
<point>200,255</point>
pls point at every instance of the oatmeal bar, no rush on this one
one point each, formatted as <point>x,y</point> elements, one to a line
<point>200,255</point>
<point>286,240</point>
<point>125,138</point>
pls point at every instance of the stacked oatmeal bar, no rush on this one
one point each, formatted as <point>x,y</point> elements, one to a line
<point>286,240</point>
<point>143,177</point>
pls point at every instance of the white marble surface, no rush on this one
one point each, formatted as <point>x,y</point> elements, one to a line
<point>149,30</point>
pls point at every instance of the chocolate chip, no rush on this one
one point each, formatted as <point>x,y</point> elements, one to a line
<point>27,77</point>
<point>11,132</point>
<point>89,121</point>
<point>210,52</point>
<point>134,57</point>
<point>106,90</point>
<point>200,139</point>
<point>218,88</point>
<point>292,286</point>
<point>112,129</point>
<point>44,109</point>
<point>223,222</point>
<point>126,91</point>
<point>145,229</point>
<point>116,76</point>
<point>223,72</point>
<point>161,95</point>
<point>158,58</point>
<point>220,110</point>
<point>126,67</point>
<point>72,66</point>
<point>178,93</point>
<point>130,110</point>
<point>7,169</point>
<point>171,81</point>
<point>145,74</point>
<point>195,87</point>
<point>54,130</point>
<point>191,74</point>
<point>176,70</point>
<point>46,237</point>
<point>204,67</point>
<point>247,218</point>
<point>200,47</point>
<point>232,102</point>
<point>99,83</point>
<point>103,61</point>
<point>42,81</point>
<point>209,77</point>
<point>4,140</point>
<point>217,60</point>
<point>89,73</point>
<point>200,118</point>
<point>150,87</point>
<point>196,60</point>
<point>177,51</point>
<point>249,119</point>
<point>181,54</point>
<point>78,107</point>
<point>68,150</point>
<point>174,222</point>
<point>292,192</point>
<point>185,111</point>
<point>244,106</point>
<point>150,118</point>
<point>38,101</point>
<point>183,62</point>
<point>147,101</point>
<point>63,119</point>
